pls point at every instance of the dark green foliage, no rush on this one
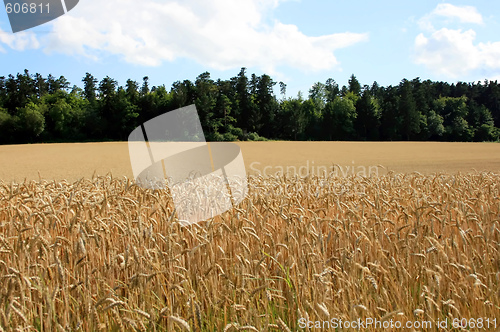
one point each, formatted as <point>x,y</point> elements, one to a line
<point>205,100</point>
<point>434,126</point>
<point>34,108</point>
<point>31,121</point>
<point>318,95</point>
<point>354,85</point>
<point>454,111</point>
<point>368,117</point>
<point>410,116</point>
<point>481,120</point>
<point>312,121</point>
<point>290,119</point>
<point>7,125</point>
<point>89,88</point>
<point>266,105</point>
<point>339,117</point>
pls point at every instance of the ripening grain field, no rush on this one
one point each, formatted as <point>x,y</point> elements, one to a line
<point>101,253</point>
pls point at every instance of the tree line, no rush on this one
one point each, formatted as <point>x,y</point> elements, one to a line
<point>34,109</point>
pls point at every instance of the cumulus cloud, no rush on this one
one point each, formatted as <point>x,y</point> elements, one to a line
<point>462,14</point>
<point>465,14</point>
<point>222,34</point>
<point>454,53</point>
<point>18,41</point>
<point>448,52</point>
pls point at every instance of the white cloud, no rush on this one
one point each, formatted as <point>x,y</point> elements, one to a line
<point>448,52</point>
<point>221,34</point>
<point>18,41</point>
<point>453,53</point>
<point>463,14</point>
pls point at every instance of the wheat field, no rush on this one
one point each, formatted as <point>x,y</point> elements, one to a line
<point>72,161</point>
<point>102,254</point>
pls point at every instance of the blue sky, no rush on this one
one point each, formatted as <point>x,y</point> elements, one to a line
<point>298,42</point>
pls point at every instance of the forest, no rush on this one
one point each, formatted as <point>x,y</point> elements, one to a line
<point>35,109</point>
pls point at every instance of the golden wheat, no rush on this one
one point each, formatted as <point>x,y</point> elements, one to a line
<point>105,254</point>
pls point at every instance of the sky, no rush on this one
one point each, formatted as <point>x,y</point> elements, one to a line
<point>298,42</point>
